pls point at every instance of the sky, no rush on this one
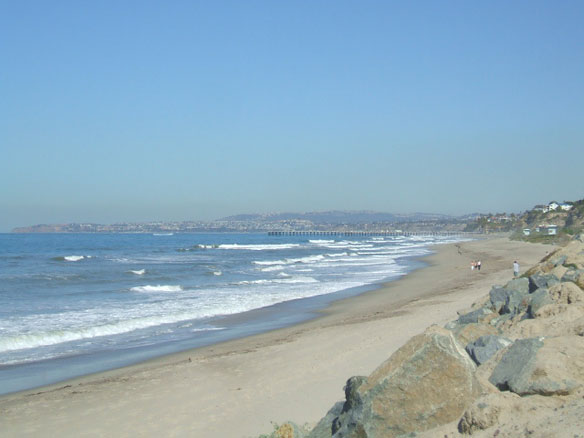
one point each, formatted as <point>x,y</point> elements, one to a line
<point>193,110</point>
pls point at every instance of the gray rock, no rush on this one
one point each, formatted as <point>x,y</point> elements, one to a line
<point>473,317</point>
<point>539,281</point>
<point>513,371</point>
<point>516,303</point>
<point>485,347</point>
<point>324,428</point>
<point>572,275</point>
<point>538,299</point>
<point>544,366</point>
<point>428,382</point>
<point>520,285</point>
<point>497,298</point>
<point>510,299</point>
<point>498,321</point>
<point>560,260</point>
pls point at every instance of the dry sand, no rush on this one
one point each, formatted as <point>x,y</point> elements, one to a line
<point>236,389</point>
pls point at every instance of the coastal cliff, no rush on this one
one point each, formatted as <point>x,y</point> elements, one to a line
<point>512,365</point>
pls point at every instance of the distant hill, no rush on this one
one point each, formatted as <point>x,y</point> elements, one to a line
<point>338,217</point>
<point>329,220</point>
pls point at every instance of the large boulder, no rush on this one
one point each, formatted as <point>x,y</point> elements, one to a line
<point>510,299</point>
<point>552,366</point>
<point>474,317</point>
<point>538,299</point>
<point>428,382</point>
<point>516,303</point>
<point>324,428</point>
<point>566,293</point>
<point>485,347</point>
<point>575,276</point>
<point>541,281</point>
<point>550,320</point>
<point>471,332</point>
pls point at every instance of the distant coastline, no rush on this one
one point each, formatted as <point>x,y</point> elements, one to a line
<point>318,221</point>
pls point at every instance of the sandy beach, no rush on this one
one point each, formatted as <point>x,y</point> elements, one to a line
<point>237,388</point>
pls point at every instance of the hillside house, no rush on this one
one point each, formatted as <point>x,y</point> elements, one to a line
<point>553,206</point>
<point>552,230</point>
<point>565,206</point>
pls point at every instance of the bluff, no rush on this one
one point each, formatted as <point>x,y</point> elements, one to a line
<point>512,365</point>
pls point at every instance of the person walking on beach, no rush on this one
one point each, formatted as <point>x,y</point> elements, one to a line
<point>515,269</point>
<point>479,265</point>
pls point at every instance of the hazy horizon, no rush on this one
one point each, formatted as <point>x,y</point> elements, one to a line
<point>143,111</point>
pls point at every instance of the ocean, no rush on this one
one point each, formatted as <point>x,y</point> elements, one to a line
<point>73,304</point>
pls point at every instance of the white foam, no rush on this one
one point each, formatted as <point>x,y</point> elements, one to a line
<point>157,288</point>
<point>272,268</point>
<point>73,258</point>
<point>270,262</point>
<point>307,259</point>
<point>33,340</point>
<point>217,273</point>
<point>138,272</point>
<point>259,247</point>
<point>321,241</point>
<point>287,280</point>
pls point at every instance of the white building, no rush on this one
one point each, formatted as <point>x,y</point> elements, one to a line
<point>565,206</point>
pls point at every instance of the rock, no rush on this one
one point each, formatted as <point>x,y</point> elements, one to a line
<point>520,285</point>
<point>474,316</point>
<point>485,347</point>
<point>538,299</point>
<point>558,271</point>
<point>471,332</point>
<point>483,414</point>
<point>566,293</point>
<point>510,299</point>
<point>554,366</point>
<point>541,281</point>
<point>324,428</point>
<point>551,320</point>
<point>427,382</point>
<point>498,297</point>
<point>500,320</point>
<point>515,303</point>
<point>559,260</point>
<point>575,276</point>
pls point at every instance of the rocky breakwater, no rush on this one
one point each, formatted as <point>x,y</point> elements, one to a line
<point>512,365</point>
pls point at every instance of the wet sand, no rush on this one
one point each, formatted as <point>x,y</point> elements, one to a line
<point>237,388</point>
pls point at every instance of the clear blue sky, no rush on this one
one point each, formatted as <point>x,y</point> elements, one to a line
<point>142,110</point>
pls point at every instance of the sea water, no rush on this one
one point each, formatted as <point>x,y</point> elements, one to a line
<point>71,304</point>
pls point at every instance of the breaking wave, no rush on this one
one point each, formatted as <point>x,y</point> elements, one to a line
<point>138,272</point>
<point>157,288</point>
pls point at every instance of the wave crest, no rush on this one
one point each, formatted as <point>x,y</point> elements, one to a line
<point>157,288</point>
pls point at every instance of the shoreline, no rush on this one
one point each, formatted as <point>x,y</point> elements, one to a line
<point>236,388</point>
